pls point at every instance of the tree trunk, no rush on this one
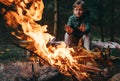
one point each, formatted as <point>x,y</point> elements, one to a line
<point>55,17</point>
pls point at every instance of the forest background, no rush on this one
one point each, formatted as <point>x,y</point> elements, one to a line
<point>104,19</point>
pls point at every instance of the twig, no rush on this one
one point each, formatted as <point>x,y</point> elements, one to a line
<point>32,52</point>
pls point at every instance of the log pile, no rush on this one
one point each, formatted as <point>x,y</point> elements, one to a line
<point>86,59</point>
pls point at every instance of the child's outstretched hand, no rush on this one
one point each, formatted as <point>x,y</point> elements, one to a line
<point>68,29</point>
<point>82,27</point>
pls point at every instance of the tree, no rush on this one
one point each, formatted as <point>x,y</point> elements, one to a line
<point>55,17</point>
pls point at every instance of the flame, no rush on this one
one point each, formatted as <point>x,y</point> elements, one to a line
<point>58,56</point>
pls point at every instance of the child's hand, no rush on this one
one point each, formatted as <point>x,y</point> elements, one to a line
<point>82,27</point>
<point>68,29</point>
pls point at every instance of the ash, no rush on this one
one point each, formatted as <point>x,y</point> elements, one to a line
<point>26,71</point>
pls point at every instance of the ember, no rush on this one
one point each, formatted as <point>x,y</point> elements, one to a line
<point>75,62</point>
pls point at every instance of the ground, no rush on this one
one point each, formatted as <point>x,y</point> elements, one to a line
<point>11,55</point>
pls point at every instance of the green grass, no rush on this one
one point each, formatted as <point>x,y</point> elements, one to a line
<point>10,53</point>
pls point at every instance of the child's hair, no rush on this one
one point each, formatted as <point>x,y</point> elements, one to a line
<point>82,4</point>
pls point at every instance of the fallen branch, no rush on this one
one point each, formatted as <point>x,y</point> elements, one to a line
<point>16,44</point>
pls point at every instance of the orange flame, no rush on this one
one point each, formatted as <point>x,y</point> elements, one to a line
<point>58,56</point>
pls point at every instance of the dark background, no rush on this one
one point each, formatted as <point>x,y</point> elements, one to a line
<point>105,17</point>
<point>104,14</point>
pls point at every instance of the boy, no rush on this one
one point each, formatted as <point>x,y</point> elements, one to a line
<point>78,26</point>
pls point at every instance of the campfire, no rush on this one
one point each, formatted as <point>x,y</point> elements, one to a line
<point>22,16</point>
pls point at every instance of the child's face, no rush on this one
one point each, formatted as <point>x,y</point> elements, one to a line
<point>78,11</point>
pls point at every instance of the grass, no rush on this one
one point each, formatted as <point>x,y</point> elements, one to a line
<point>11,53</point>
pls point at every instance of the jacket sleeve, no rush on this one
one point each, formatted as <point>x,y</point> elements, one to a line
<point>69,23</point>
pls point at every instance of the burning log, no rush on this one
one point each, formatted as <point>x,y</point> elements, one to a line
<point>32,52</point>
<point>76,70</point>
<point>79,71</point>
